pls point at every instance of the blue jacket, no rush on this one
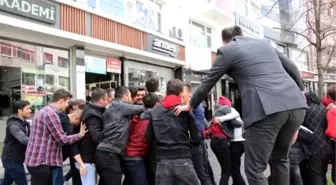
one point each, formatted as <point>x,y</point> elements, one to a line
<point>198,114</point>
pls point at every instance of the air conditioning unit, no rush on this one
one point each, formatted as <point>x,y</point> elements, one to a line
<point>176,33</point>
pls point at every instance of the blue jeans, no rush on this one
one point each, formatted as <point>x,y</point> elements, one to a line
<point>135,172</point>
<point>57,176</point>
<point>14,172</point>
<point>90,177</point>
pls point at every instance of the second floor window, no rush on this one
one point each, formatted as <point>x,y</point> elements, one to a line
<point>241,6</point>
<point>63,62</point>
<point>200,35</point>
<point>48,58</point>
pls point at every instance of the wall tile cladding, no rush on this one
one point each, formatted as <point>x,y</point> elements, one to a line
<point>74,20</point>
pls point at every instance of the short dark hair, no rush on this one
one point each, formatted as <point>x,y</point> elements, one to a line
<point>188,86</point>
<point>61,94</point>
<point>332,92</point>
<point>141,88</point>
<point>150,100</point>
<point>20,105</point>
<point>133,90</point>
<point>109,91</point>
<point>81,103</point>
<point>174,87</point>
<point>152,84</point>
<point>121,91</point>
<point>98,94</point>
<point>229,33</point>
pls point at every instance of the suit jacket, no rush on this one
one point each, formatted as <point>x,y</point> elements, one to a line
<point>267,80</point>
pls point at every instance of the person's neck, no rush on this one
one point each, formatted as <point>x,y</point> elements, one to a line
<point>56,105</point>
<point>21,117</point>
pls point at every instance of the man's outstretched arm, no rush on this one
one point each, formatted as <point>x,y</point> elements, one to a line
<point>218,69</point>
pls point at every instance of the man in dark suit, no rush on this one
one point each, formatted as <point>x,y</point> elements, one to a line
<point>273,105</point>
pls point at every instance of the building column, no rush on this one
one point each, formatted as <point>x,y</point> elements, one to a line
<point>77,72</point>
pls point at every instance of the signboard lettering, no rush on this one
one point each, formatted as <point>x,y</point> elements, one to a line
<point>36,9</point>
<point>161,46</point>
<point>164,46</point>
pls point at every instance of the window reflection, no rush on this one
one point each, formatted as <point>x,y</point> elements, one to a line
<point>138,77</point>
<point>30,72</point>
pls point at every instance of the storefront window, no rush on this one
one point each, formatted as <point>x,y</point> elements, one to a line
<point>138,73</point>
<point>29,72</point>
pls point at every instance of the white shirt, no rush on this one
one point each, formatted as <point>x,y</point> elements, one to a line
<point>238,131</point>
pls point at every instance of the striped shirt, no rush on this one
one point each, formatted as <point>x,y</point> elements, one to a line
<point>46,139</point>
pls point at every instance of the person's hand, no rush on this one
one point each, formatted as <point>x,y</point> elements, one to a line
<point>215,120</point>
<point>295,137</point>
<point>82,130</point>
<point>82,170</point>
<point>182,108</point>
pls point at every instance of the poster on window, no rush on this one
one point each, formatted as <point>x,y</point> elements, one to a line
<point>130,12</point>
<point>145,15</point>
<point>115,7</point>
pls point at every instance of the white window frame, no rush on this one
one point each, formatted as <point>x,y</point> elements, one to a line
<point>238,7</point>
<point>206,31</point>
<point>255,9</point>
<point>158,15</point>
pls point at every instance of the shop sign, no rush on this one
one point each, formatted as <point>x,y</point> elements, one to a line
<point>113,65</point>
<point>161,46</point>
<point>36,9</point>
<point>95,65</point>
<point>197,76</point>
<point>248,26</point>
<point>329,76</point>
<point>307,75</point>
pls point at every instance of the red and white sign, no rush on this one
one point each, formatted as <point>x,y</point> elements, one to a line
<point>307,75</point>
<point>113,65</point>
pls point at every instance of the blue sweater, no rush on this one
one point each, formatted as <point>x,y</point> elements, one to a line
<point>198,114</point>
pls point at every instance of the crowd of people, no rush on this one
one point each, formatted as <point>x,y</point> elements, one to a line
<point>152,139</point>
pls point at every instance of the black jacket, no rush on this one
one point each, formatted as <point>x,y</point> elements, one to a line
<point>169,134</point>
<point>227,126</point>
<point>92,117</point>
<point>114,137</point>
<point>16,139</point>
<point>68,150</point>
<point>315,120</point>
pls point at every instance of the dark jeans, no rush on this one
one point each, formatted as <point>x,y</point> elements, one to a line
<point>135,172</point>
<point>237,150</point>
<point>40,175</point>
<point>57,176</point>
<point>14,172</point>
<point>109,167</point>
<point>314,170</point>
<point>167,170</point>
<point>200,162</point>
<point>295,175</point>
<point>270,138</point>
<point>221,149</point>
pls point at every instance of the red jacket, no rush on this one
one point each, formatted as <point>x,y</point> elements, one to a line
<point>216,130</point>
<point>331,118</point>
<point>137,145</point>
